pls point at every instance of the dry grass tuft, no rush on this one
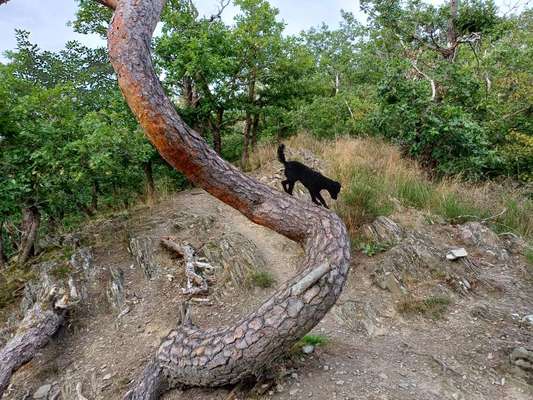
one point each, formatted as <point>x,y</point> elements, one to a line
<point>434,306</point>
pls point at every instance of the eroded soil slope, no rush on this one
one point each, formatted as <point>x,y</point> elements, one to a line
<point>410,324</point>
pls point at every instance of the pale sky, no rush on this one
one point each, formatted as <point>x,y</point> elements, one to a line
<point>46,20</point>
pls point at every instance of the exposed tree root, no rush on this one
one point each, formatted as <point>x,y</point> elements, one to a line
<point>196,283</point>
<point>39,324</point>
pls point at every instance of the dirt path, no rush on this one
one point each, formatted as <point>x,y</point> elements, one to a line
<point>372,351</point>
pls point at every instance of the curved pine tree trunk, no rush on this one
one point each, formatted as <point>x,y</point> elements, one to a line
<point>226,355</point>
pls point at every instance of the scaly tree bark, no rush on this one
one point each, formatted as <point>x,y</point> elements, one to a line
<point>225,355</point>
<point>189,355</point>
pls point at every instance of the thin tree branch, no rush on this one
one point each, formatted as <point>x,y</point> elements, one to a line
<point>222,6</point>
<point>431,81</point>
<point>112,4</point>
<point>414,64</point>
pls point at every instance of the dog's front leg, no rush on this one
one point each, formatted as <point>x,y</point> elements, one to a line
<point>319,197</point>
<point>313,198</point>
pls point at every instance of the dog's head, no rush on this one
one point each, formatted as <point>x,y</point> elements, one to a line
<point>334,189</point>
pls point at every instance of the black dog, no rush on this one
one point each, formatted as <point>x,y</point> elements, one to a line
<point>312,180</point>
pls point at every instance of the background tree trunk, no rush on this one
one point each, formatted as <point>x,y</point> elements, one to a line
<point>246,140</point>
<point>95,191</point>
<point>255,128</point>
<point>247,133</point>
<point>30,225</point>
<point>216,128</point>
<point>150,184</point>
<point>225,355</point>
<point>2,255</point>
<point>451,33</point>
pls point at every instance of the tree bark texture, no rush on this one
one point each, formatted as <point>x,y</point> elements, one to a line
<point>451,32</point>
<point>248,123</point>
<point>216,128</point>
<point>255,130</point>
<point>30,225</point>
<point>246,140</point>
<point>225,355</point>
<point>2,255</point>
<point>95,191</point>
<point>150,184</point>
<point>39,324</point>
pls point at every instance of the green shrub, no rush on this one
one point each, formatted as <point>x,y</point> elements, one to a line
<point>262,279</point>
<point>12,281</point>
<point>366,197</point>
<point>313,340</point>
<point>373,248</point>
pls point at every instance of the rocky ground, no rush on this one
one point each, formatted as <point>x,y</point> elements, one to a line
<point>410,324</point>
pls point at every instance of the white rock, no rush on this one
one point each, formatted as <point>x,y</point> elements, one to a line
<point>308,349</point>
<point>107,377</point>
<point>42,392</point>
<point>454,254</point>
<point>528,319</point>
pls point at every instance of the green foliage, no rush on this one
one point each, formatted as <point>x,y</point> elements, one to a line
<point>456,210</point>
<point>92,17</point>
<point>313,340</point>
<point>529,255</point>
<point>12,282</point>
<point>414,192</point>
<point>517,151</point>
<point>327,117</point>
<point>372,248</point>
<point>61,271</point>
<point>262,279</point>
<point>434,307</point>
<point>69,143</point>
<point>365,197</point>
<point>477,16</point>
<point>482,96</point>
<point>443,136</point>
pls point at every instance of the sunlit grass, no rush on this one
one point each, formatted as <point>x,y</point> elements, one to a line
<point>375,177</point>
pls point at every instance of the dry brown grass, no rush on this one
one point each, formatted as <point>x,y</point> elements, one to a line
<point>374,176</point>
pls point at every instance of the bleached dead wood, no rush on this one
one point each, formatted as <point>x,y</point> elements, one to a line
<point>196,283</point>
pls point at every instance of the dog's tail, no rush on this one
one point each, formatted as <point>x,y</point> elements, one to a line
<point>281,154</point>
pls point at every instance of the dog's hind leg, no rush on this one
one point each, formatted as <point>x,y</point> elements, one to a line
<point>285,185</point>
